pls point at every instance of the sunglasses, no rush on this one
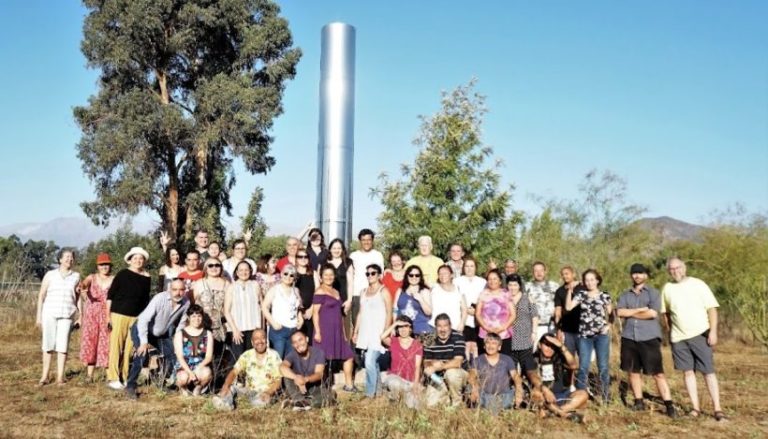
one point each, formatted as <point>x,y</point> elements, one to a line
<point>302,257</point>
<point>213,266</point>
<point>289,274</point>
<point>372,273</point>
<point>414,275</point>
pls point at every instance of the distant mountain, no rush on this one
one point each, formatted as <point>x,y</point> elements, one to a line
<point>672,229</point>
<point>66,231</point>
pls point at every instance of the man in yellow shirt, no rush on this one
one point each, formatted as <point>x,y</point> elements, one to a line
<point>690,314</point>
<point>428,262</point>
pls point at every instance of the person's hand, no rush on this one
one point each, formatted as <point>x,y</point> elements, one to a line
<point>534,339</point>
<point>237,337</point>
<point>474,395</point>
<point>554,342</point>
<point>308,314</point>
<point>164,239</point>
<point>492,264</point>
<point>142,350</point>
<point>318,338</point>
<point>537,397</point>
<point>193,376</point>
<point>712,338</point>
<point>248,234</point>
<point>39,322</point>
<point>606,329</point>
<point>354,338</point>
<point>560,335</point>
<point>300,380</point>
<point>429,370</point>
<point>264,397</point>
<point>277,326</point>
<point>347,306</point>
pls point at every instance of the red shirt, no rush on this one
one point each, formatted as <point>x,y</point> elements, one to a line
<point>404,360</point>
<point>392,285</point>
<point>189,279</point>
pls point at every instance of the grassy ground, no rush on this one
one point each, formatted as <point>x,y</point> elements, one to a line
<point>90,410</point>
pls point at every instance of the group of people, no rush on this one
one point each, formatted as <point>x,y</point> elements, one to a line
<point>427,332</point>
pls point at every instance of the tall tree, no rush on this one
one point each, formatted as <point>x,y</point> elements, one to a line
<point>186,87</point>
<point>448,192</point>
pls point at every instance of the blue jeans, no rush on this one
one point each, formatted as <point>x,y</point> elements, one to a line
<point>164,345</point>
<point>496,403</point>
<point>601,343</point>
<point>571,341</point>
<point>371,372</point>
<point>280,340</point>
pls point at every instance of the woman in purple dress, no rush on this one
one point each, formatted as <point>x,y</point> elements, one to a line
<point>329,330</point>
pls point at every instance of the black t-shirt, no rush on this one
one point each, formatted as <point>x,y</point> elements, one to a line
<point>569,322</point>
<point>129,293</point>
<point>306,285</point>
<point>554,373</point>
<point>453,347</point>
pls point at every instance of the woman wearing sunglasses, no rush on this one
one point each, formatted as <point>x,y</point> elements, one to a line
<point>282,309</point>
<point>307,281</point>
<point>413,300</point>
<point>209,292</point>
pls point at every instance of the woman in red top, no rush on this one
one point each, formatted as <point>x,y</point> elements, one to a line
<point>404,376</point>
<point>393,276</point>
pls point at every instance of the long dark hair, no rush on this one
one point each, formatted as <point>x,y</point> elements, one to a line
<point>344,257</point>
<point>168,256</point>
<point>313,231</point>
<point>409,270</point>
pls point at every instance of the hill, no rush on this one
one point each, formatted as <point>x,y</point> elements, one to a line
<point>671,229</point>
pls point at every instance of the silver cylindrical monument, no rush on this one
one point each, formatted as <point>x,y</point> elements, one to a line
<point>335,151</point>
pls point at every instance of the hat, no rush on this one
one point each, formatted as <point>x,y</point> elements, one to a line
<point>103,258</point>
<point>136,251</point>
<point>638,268</point>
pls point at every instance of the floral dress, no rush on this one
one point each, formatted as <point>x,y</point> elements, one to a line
<point>94,344</point>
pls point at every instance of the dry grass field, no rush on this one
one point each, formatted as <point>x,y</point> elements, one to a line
<point>92,410</point>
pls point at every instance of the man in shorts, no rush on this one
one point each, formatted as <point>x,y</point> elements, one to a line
<point>553,395</point>
<point>690,311</point>
<point>639,307</point>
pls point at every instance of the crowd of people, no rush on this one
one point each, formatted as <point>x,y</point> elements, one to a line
<point>427,332</point>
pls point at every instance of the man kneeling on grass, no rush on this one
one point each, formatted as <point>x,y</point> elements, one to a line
<point>261,367</point>
<point>553,395</point>
<point>490,377</point>
<point>303,370</point>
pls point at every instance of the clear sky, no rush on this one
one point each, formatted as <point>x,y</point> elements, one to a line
<point>672,96</point>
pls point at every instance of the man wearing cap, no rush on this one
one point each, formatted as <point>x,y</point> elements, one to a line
<point>155,326</point>
<point>690,311</point>
<point>127,297</point>
<point>639,307</point>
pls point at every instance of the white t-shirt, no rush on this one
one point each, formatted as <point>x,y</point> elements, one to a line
<point>360,260</point>
<point>470,288</point>
<point>446,302</point>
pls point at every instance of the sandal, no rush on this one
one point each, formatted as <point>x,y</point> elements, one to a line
<point>720,416</point>
<point>694,413</point>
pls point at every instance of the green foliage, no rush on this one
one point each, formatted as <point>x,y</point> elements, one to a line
<point>186,87</point>
<point>596,230</point>
<point>253,221</point>
<point>449,193</point>
<point>25,261</point>
<point>269,245</point>
<point>117,245</point>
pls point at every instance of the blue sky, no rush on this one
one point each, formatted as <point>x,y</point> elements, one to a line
<point>672,96</point>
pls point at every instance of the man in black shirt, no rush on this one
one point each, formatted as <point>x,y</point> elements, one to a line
<point>553,395</point>
<point>443,364</point>
<point>567,322</point>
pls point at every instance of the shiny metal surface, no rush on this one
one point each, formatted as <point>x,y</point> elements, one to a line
<point>335,150</point>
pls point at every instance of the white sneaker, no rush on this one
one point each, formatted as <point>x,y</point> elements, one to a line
<point>115,385</point>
